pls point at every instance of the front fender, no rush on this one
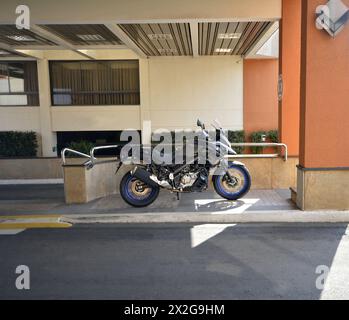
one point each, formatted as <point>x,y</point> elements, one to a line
<point>236,163</point>
<point>224,165</point>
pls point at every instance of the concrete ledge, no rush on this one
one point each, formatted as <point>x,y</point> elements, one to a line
<point>83,184</point>
<point>272,173</point>
<point>33,168</point>
<point>190,217</point>
<point>326,189</point>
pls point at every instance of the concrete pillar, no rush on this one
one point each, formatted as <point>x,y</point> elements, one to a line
<point>323,173</point>
<point>145,101</point>
<point>48,138</point>
<point>289,68</point>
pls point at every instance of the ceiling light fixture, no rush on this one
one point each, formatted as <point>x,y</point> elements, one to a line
<point>90,37</point>
<point>20,38</point>
<point>160,36</point>
<point>223,50</point>
<point>229,35</point>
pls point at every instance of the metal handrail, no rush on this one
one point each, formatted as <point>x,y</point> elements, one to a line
<point>64,151</point>
<point>92,152</point>
<point>92,157</point>
<point>263,144</point>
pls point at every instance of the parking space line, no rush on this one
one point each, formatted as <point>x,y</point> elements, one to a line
<point>8,232</point>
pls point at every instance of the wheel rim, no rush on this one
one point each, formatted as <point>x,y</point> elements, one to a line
<point>138,190</point>
<point>236,184</point>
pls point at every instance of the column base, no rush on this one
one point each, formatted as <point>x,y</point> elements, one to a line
<point>323,189</point>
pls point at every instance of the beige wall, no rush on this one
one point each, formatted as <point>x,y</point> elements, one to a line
<point>183,89</point>
<point>95,118</point>
<point>175,91</point>
<point>20,118</point>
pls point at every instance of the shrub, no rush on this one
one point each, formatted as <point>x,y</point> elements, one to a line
<point>18,144</point>
<point>83,146</point>
<point>273,136</point>
<point>237,137</point>
<point>257,137</point>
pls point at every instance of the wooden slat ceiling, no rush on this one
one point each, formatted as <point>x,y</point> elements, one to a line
<point>10,35</point>
<point>155,39</point>
<point>83,34</point>
<point>7,54</point>
<point>161,39</point>
<point>230,38</point>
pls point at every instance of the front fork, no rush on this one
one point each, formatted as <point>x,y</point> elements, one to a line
<point>224,165</point>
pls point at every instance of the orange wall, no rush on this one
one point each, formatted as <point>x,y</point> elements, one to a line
<point>290,68</point>
<point>260,94</point>
<point>324,134</point>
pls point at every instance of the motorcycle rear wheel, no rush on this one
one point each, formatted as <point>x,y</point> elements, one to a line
<point>137,193</point>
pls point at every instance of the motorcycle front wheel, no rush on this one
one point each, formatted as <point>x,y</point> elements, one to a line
<point>235,185</point>
<point>137,193</point>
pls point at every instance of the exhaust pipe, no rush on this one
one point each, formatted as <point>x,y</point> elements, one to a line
<point>150,179</point>
<point>144,176</point>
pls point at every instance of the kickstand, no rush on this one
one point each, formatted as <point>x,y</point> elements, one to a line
<point>178,196</point>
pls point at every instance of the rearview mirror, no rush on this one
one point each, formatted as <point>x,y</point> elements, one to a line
<point>200,124</point>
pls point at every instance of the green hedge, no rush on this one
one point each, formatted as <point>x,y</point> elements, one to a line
<point>271,136</point>
<point>257,138</point>
<point>83,146</point>
<point>237,137</point>
<point>18,144</point>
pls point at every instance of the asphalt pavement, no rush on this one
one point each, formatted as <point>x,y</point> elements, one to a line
<point>178,261</point>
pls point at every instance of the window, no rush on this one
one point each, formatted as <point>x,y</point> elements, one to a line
<point>95,82</point>
<point>97,138</point>
<point>19,83</point>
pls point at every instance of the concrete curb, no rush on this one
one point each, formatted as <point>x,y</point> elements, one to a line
<point>190,217</point>
<point>30,181</point>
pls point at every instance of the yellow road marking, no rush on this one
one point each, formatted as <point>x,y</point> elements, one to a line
<point>34,225</point>
<point>32,222</point>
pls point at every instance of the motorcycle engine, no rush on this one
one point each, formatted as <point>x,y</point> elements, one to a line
<point>194,181</point>
<point>188,179</point>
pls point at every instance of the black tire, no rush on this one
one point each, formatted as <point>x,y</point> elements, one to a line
<point>130,197</point>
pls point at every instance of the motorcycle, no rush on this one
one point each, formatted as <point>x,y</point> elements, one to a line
<point>231,179</point>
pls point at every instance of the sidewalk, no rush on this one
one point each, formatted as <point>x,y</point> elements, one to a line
<point>259,206</point>
<point>48,199</point>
